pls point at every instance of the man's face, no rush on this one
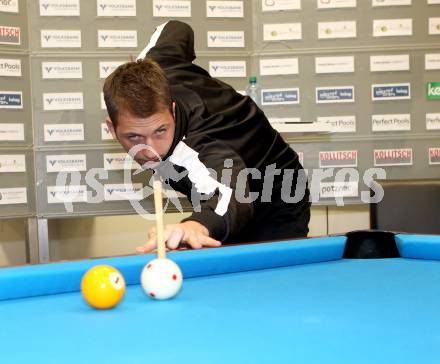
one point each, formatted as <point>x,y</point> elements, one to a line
<point>155,131</point>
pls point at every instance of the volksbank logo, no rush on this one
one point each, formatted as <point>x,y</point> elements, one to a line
<point>227,68</point>
<point>121,192</point>
<point>105,132</point>
<point>118,161</point>
<point>213,8</point>
<point>13,196</point>
<point>60,37</point>
<point>51,70</point>
<point>55,38</point>
<point>59,8</point>
<point>178,8</point>
<point>63,132</point>
<point>63,101</point>
<point>224,9</point>
<point>433,90</point>
<point>116,7</point>
<point>61,194</point>
<point>107,67</point>
<point>226,39</point>
<point>66,163</point>
<point>117,38</point>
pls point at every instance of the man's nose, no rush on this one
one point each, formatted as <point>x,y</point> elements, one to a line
<point>150,153</point>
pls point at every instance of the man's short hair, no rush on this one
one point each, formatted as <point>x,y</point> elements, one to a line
<point>139,88</point>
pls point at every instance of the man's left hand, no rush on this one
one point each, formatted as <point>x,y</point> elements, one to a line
<point>190,233</point>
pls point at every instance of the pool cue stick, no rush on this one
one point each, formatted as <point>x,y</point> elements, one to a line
<point>161,249</point>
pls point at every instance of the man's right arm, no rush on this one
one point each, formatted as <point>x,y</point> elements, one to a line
<point>171,42</point>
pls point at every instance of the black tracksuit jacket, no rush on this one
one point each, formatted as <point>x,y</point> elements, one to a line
<point>220,130</point>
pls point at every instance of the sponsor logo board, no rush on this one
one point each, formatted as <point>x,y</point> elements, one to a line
<point>63,132</point>
<point>11,100</point>
<point>282,31</point>
<point>63,194</point>
<point>391,122</point>
<point>339,94</point>
<point>10,35</point>
<point>13,196</point>
<point>282,96</point>
<point>116,7</point>
<point>385,92</point>
<point>339,124</point>
<point>224,9</point>
<point>11,131</point>
<point>11,163</point>
<point>336,30</point>
<point>227,68</point>
<point>66,163</point>
<point>338,158</point>
<point>61,70</point>
<point>172,8</point>
<point>393,157</point>
<point>10,67</point>
<point>59,8</point>
<point>123,192</point>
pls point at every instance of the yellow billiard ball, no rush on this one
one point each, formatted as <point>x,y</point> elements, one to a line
<point>102,286</point>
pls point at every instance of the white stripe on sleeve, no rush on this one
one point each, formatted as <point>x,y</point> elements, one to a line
<point>153,41</point>
<point>198,173</point>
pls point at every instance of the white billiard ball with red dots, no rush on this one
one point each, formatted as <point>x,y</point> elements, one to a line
<point>161,279</point>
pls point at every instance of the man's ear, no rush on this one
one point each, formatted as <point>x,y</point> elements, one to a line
<point>110,127</point>
<point>174,109</point>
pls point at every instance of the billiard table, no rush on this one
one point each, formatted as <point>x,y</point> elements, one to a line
<point>298,301</point>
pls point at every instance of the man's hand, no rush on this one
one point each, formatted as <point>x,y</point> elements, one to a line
<point>191,233</point>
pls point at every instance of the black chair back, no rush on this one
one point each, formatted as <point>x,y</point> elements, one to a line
<point>411,206</point>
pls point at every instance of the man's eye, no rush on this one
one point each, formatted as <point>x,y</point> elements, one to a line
<point>134,137</point>
<point>160,131</point>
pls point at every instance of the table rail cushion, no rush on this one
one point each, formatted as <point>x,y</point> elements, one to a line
<point>418,246</point>
<point>55,278</point>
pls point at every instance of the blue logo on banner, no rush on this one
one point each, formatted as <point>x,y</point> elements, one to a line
<point>339,94</point>
<point>391,92</point>
<point>290,96</point>
<point>10,99</point>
